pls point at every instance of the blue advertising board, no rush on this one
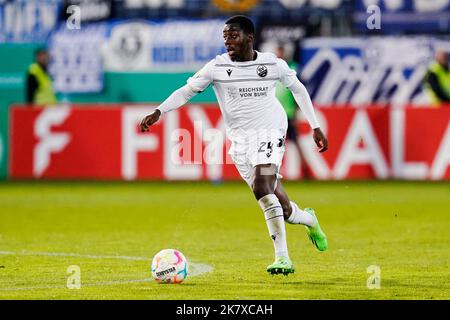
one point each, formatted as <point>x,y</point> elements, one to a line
<point>361,71</point>
<point>28,20</point>
<point>405,16</point>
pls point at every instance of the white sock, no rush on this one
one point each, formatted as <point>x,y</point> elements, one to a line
<point>299,216</point>
<point>273,212</point>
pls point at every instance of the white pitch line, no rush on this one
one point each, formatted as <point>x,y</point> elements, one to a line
<point>75,255</point>
<point>195,269</point>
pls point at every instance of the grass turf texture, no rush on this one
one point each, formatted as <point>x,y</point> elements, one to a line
<point>403,227</point>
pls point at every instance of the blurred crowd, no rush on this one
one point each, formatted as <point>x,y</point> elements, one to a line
<point>347,52</point>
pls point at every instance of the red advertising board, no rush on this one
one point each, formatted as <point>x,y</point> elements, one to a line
<point>103,142</point>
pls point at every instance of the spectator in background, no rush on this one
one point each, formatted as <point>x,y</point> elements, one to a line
<point>284,95</point>
<point>39,84</point>
<point>437,80</point>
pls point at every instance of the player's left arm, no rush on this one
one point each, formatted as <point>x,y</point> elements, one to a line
<point>303,100</point>
<point>289,79</point>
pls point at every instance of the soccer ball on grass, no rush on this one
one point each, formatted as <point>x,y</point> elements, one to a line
<point>169,266</point>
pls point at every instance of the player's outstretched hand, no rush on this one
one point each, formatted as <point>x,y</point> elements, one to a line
<point>320,140</point>
<point>149,120</point>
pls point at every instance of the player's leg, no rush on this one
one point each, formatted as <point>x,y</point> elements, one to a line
<point>263,186</point>
<point>292,213</point>
<point>307,217</point>
<point>258,165</point>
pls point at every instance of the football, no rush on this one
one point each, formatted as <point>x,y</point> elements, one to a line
<point>169,266</point>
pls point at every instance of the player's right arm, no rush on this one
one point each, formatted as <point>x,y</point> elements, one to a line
<point>178,98</point>
<point>196,84</point>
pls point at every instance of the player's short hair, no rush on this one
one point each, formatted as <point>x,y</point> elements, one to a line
<point>40,50</point>
<point>244,23</point>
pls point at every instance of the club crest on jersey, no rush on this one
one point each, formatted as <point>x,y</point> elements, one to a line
<point>229,71</point>
<point>261,71</point>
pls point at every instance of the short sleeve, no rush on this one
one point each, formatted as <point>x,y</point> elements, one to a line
<point>203,78</point>
<point>287,75</point>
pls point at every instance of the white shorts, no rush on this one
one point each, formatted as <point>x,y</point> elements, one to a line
<point>262,148</point>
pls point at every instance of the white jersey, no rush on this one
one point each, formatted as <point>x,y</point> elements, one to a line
<point>246,91</point>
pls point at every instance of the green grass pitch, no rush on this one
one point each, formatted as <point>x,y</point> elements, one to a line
<point>111,230</point>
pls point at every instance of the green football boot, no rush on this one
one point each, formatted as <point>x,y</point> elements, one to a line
<point>281,265</point>
<point>315,233</point>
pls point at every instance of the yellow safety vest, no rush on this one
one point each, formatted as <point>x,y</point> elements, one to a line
<point>443,77</point>
<point>44,94</point>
